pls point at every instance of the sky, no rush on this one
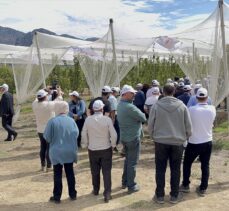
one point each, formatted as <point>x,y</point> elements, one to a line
<point>90,18</point>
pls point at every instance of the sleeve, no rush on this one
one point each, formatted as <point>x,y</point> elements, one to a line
<point>136,114</point>
<point>113,134</point>
<point>82,108</point>
<point>70,113</point>
<point>190,102</point>
<point>84,134</point>
<point>151,120</point>
<point>48,134</point>
<point>187,122</point>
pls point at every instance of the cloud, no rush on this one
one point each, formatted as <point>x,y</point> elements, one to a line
<point>89,18</point>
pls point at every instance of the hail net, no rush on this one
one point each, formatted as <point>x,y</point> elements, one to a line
<point>108,60</point>
<point>202,56</point>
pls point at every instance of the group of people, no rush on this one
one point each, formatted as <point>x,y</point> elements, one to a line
<point>177,113</point>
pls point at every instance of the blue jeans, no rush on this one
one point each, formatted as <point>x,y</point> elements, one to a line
<point>132,150</point>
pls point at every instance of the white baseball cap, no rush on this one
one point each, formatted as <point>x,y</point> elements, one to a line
<point>41,93</point>
<point>106,89</point>
<point>197,86</point>
<point>98,105</point>
<point>139,85</point>
<point>202,93</point>
<point>4,86</point>
<point>155,90</point>
<point>74,93</point>
<point>115,89</point>
<point>155,83</point>
<point>187,88</point>
<point>127,88</point>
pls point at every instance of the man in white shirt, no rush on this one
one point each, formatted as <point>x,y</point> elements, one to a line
<point>200,142</point>
<point>44,110</point>
<point>150,101</point>
<point>99,136</point>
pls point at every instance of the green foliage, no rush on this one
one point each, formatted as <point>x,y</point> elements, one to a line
<point>6,76</point>
<point>153,68</point>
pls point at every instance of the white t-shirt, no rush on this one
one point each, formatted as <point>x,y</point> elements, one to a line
<point>202,117</point>
<point>150,101</point>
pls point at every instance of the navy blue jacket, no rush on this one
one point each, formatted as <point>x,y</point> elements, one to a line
<point>7,104</point>
<point>184,97</point>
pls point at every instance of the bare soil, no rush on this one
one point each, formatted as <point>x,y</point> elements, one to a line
<point>22,187</point>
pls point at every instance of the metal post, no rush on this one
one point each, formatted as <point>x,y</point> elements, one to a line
<point>39,58</point>
<point>221,3</point>
<point>193,61</point>
<point>114,51</point>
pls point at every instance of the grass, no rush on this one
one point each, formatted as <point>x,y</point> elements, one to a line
<point>221,137</point>
<point>26,109</point>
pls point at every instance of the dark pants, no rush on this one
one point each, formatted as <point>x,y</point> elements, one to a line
<point>57,190</point>
<point>80,124</point>
<point>44,151</point>
<point>132,150</point>
<point>101,159</point>
<point>191,153</point>
<point>7,125</point>
<point>117,129</point>
<point>163,153</point>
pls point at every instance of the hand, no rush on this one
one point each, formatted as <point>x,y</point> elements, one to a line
<point>75,116</point>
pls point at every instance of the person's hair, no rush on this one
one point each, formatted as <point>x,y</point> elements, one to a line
<point>105,94</point>
<point>41,99</point>
<point>169,89</point>
<point>201,99</point>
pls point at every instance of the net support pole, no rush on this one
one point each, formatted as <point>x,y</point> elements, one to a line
<point>39,58</point>
<point>193,61</point>
<point>114,50</point>
<point>221,3</point>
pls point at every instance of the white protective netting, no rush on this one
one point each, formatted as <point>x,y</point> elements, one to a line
<point>200,53</point>
<point>108,60</point>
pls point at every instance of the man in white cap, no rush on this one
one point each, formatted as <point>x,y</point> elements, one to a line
<point>7,112</point>
<point>186,95</point>
<point>155,83</point>
<point>77,110</point>
<point>150,101</point>
<point>106,91</point>
<point>130,122</point>
<point>114,103</point>
<point>193,100</point>
<point>99,136</point>
<point>200,142</point>
<point>43,110</point>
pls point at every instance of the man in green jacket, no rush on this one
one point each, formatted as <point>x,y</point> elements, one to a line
<point>130,122</point>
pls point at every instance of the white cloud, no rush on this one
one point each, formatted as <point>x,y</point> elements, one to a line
<point>86,18</point>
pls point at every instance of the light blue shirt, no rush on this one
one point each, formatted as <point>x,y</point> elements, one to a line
<point>61,133</point>
<point>114,103</point>
<point>193,101</point>
<point>78,108</point>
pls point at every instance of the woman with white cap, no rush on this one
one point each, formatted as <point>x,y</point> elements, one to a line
<point>61,133</point>
<point>77,110</point>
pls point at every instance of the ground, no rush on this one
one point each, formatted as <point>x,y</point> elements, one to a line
<point>22,187</point>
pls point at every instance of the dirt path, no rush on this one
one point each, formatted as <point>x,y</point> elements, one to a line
<point>22,187</point>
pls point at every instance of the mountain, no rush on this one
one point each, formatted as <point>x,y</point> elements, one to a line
<point>13,37</point>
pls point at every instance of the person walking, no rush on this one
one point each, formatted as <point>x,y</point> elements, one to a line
<point>99,136</point>
<point>77,110</point>
<point>61,133</point>
<point>170,126</point>
<point>186,95</point>
<point>7,112</point>
<point>150,101</point>
<point>200,142</point>
<point>130,122</point>
<point>139,98</point>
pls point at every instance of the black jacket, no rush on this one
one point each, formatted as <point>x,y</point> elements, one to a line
<point>7,104</point>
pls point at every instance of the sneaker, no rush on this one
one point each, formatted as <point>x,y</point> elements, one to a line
<point>56,201</point>
<point>133,190</point>
<point>184,189</point>
<point>200,192</point>
<point>94,192</point>
<point>159,200</point>
<point>107,198</point>
<point>14,136</point>
<point>175,200</point>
